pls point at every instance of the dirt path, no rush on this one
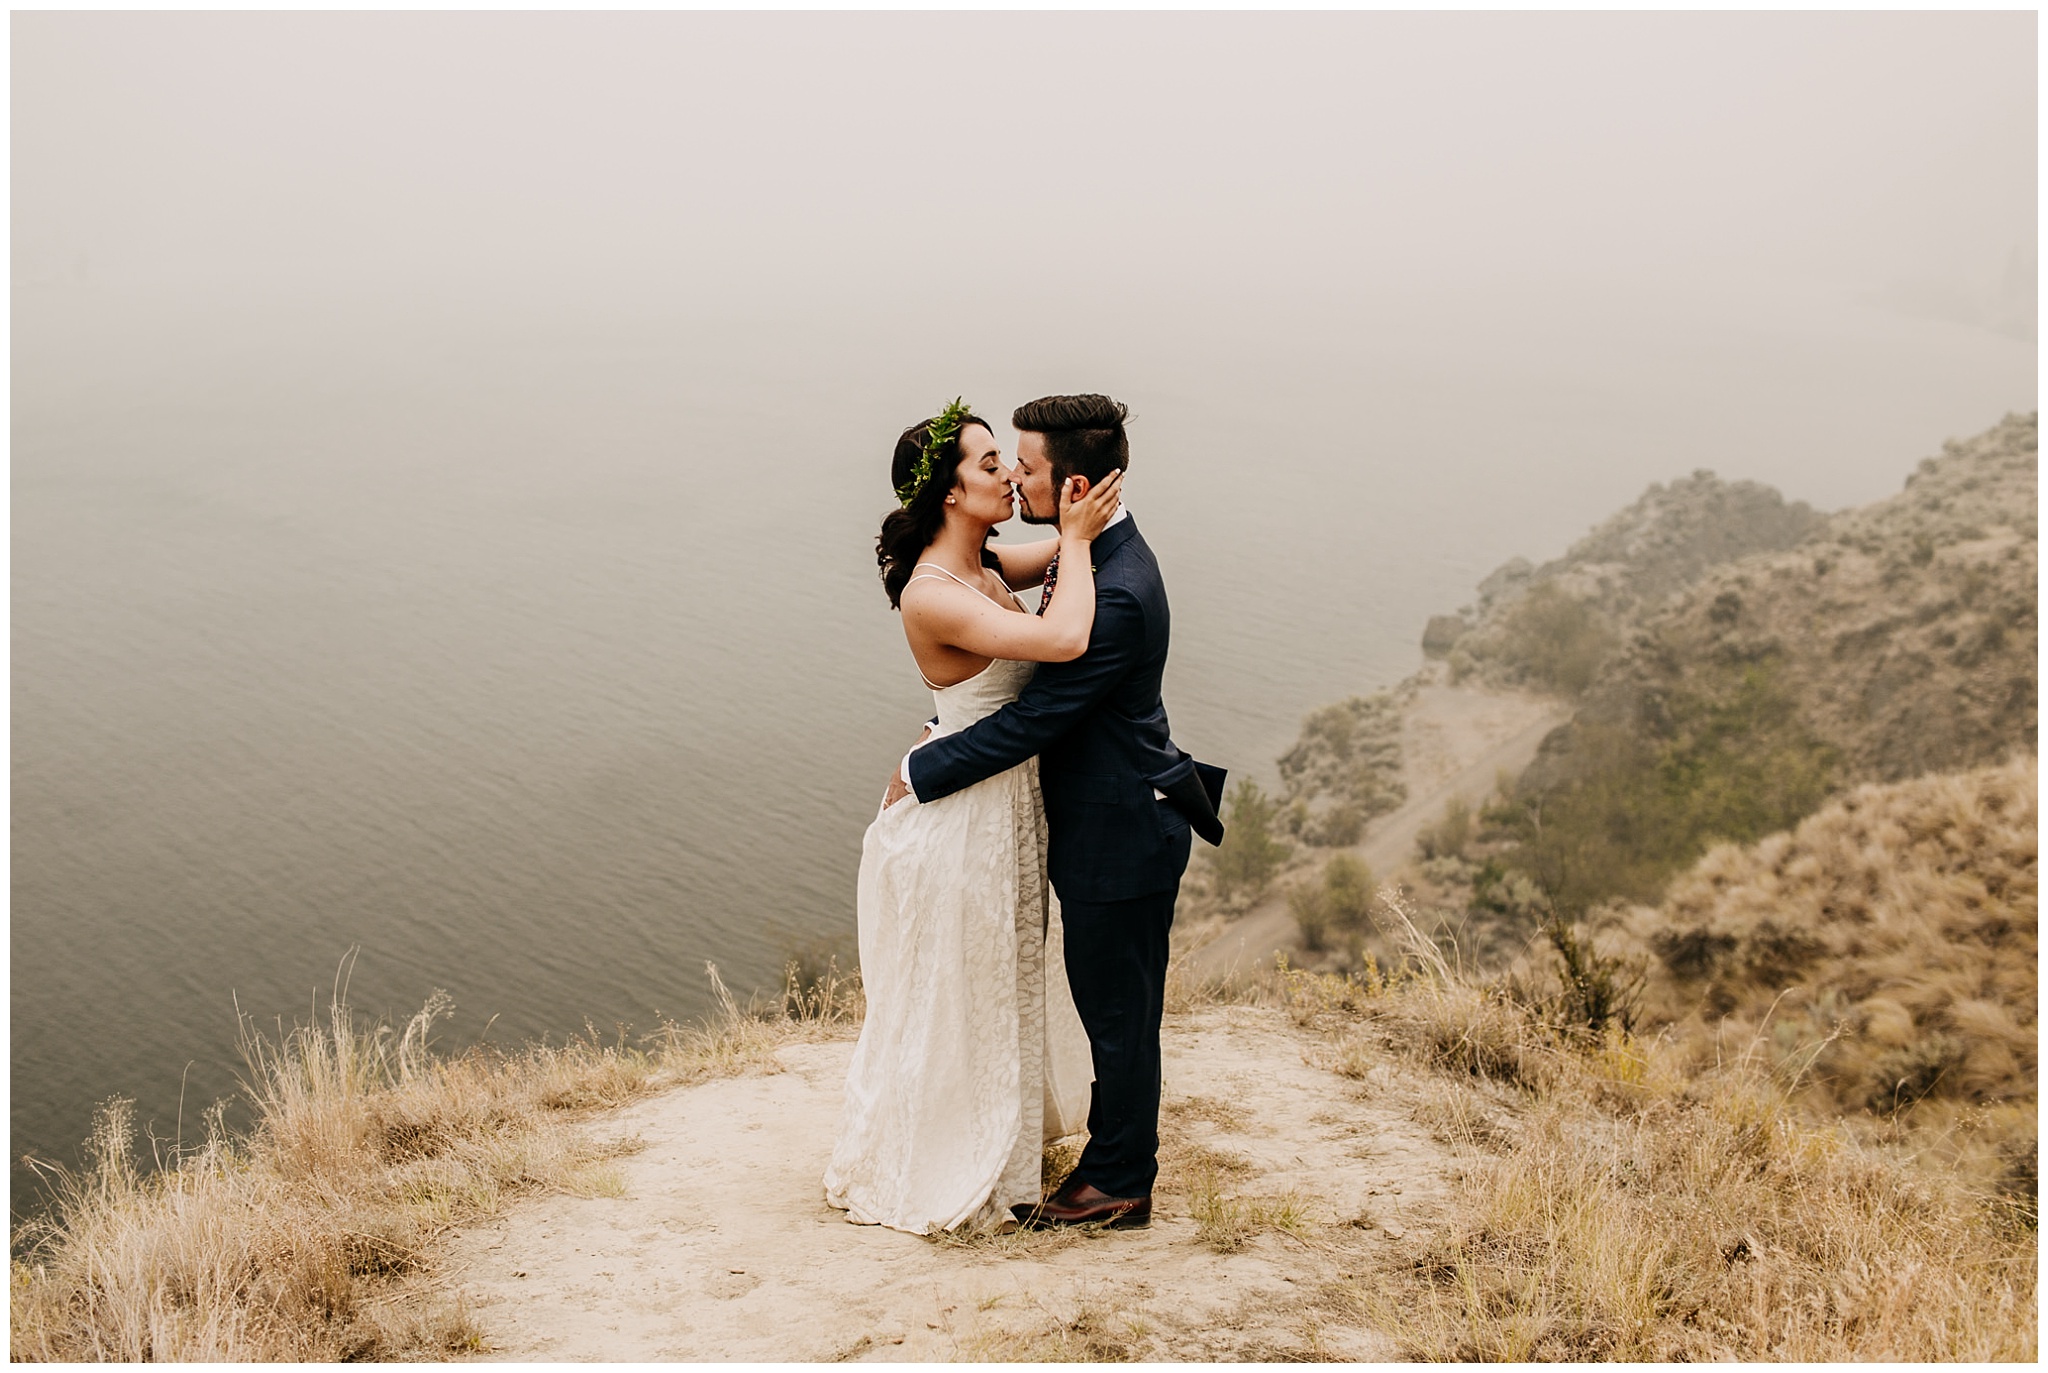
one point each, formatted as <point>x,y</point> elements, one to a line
<point>718,1244</point>
<point>1455,741</point>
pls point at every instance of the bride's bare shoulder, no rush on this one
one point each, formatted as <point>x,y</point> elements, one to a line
<point>929,589</point>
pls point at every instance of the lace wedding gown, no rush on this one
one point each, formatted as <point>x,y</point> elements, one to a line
<point>972,1054</point>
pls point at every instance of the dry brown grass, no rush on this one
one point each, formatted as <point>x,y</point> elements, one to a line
<point>1094,1332</point>
<point>314,1236</point>
<point>1188,991</point>
<point>1227,1220</point>
<point>1891,940</point>
<point>1884,956</point>
<point>1715,1222</point>
<point>1620,1199</point>
<point>1426,1004</point>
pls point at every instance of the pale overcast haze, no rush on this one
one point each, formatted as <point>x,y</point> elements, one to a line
<point>636,162</point>
<point>448,448</point>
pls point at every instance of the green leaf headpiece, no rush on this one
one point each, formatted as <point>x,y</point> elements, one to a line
<point>940,437</point>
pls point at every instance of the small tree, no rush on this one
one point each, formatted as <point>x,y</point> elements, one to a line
<point>1311,914</point>
<point>1336,828</point>
<point>1347,892</point>
<point>1251,851</point>
<point>1448,837</point>
<point>1559,642</point>
<point>1340,901</point>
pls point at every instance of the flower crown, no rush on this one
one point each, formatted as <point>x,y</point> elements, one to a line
<point>944,430</point>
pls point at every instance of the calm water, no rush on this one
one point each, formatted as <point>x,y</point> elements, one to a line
<point>543,660</point>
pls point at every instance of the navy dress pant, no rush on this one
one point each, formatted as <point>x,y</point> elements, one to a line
<point>1116,966</point>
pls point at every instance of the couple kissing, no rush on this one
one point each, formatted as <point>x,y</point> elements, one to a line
<point>1002,1015</point>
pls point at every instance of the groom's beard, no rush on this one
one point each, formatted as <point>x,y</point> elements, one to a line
<point>1028,512</point>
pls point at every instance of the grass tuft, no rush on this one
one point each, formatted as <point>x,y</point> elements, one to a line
<point>1227,1221</point>
<point>315,1235</point>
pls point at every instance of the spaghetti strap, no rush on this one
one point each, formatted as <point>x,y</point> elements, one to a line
<point>1014,602</point>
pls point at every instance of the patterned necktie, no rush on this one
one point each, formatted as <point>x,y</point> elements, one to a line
<point>1052,577</point>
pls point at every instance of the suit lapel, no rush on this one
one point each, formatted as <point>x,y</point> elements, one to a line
<point>1113,538</point>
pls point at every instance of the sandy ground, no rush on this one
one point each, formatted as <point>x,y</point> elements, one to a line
<point>1455,741</point>
<point>718,1244</point>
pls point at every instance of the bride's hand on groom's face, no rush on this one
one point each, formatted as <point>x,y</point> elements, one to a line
<point>1089,516</point>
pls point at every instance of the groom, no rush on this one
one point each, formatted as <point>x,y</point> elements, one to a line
<point>1120,801</point>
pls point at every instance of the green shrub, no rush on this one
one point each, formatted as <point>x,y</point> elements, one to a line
<point>1311,915</point>
<point>1344,769</point>
<point>1347,888</point>
<point>1447,837</point>
<point>1731,761</point>
<point>1595,990</point>
<point>1558,642</point>
<point>1339,901</point>
<point>1251,852</point>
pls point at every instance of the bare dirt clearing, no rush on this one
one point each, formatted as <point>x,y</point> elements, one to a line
<point>718,1244</point>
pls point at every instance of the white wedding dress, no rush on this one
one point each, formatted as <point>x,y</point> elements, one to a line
<point>972,1054</point>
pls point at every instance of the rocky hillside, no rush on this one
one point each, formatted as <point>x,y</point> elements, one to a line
<point>1345,769</point>
<point>1551,627</point>
<point>1892,641</point>
<point>1901,635</point>
<point>1547,626</point>
<point>1734,661</point>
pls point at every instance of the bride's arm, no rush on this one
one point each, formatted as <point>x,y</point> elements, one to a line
<point>1024,564</point>
<point>956,616</point>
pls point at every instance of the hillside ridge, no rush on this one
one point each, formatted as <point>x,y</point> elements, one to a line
<point>1902,632</point>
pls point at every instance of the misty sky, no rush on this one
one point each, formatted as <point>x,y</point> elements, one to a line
<point>188,165</point>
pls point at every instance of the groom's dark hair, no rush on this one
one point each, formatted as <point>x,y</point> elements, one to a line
<point>1084,435</point>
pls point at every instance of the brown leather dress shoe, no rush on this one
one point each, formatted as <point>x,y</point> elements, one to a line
<point>1084,1205</point>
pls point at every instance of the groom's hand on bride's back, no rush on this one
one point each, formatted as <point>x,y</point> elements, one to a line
<point>898,788</point>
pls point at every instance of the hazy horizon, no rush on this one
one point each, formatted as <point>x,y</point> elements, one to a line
<point>621,162</point>
<point>344,199</point>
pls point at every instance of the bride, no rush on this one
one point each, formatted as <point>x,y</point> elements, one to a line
<point>972,1054</point>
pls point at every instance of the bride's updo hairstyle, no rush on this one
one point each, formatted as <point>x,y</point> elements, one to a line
<point>907,532</point>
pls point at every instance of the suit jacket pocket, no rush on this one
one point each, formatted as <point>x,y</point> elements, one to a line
<point>1193,790</point>
<point>1171,820</point>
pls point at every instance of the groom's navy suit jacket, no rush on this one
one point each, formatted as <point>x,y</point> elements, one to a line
<point>1098,729</point>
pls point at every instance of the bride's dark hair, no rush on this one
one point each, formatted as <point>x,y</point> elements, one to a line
<point>908,531</point>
